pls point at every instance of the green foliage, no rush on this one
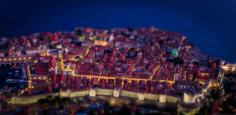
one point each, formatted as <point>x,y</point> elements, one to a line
<point>214,94</point>
<point>49,100</point>
<point>178,60</point>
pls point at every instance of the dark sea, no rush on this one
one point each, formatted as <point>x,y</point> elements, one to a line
<point>208,24</point>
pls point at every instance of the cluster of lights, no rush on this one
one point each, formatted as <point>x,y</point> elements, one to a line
<point>101,43</point>
<point>38,78</point>
<point>123,78</point>
<point>16,59</point>
<point>29,77</point>
<point>229,68</point>
<point>156,69</point>
<point>205,75</point>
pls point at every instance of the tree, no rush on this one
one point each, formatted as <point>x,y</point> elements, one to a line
<point>178,60</point>
<point>214,93</point>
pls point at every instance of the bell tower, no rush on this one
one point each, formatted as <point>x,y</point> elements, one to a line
<point>60,59</point>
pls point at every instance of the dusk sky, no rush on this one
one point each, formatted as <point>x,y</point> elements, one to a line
<point>208,24</point>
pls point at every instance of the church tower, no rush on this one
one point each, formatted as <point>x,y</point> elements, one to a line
<point>60,59</point>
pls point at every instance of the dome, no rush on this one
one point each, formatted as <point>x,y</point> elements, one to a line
<point>213,84</point>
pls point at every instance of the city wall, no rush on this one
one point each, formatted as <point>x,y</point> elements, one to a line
<point>96,92</point>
